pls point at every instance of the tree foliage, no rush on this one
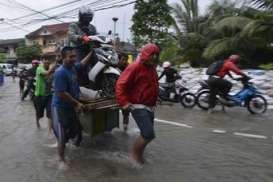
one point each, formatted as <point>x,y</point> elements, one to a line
<point>227,28</point>
<point>263,4</point>
<point>2,56</point>
<point>151,21</point>
<point>27,53</point>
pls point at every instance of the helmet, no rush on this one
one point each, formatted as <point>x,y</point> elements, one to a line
<point>35,62</point>
<point>166,64</point>
<point>235,58</point>
<point>86,13</point>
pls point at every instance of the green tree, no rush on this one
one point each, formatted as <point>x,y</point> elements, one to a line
<point>151,21</point>
<point>27,53</point>
<point>2,56</point>
<point>263,4</point>
<point>189,26</point>
<point>187,16</point>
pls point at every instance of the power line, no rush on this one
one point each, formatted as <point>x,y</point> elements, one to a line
<point>15,26</point>
<point>33,10</point>
<point>73,11</point>
<point>107,4</point>
<point>48,9</point>
<point>98,3</point>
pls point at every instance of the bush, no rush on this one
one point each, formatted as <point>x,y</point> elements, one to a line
<point>266,66</point>
<point>194,57</point>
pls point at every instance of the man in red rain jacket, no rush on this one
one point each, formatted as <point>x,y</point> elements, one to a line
<point>137,90</point>
<point>217,83</point>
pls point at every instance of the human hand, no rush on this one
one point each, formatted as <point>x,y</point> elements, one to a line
<point>85,39</point>
<point>80,107</point>
<point>127,106</point>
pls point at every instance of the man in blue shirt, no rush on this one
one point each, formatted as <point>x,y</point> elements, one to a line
<point>66,100</point>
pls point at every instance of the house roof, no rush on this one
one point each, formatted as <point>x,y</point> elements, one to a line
<point>53,29</point>
<point>6,42</point>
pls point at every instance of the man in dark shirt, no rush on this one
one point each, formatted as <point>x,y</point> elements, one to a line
<point>171,76</point>
<point>31,73</point>
<point>78,34</point>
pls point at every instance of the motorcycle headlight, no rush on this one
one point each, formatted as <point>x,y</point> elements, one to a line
<point>113,58</point>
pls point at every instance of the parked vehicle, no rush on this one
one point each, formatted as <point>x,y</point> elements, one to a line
<point>248,97</point>
<point>104,73</point>
<point>7,69</point>
<point>182,94</point>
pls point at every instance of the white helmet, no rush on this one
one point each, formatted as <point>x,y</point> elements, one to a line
<point>86,12</point>
<point>166,64</point>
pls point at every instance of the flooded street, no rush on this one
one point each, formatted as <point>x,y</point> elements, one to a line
<point>191,146</point>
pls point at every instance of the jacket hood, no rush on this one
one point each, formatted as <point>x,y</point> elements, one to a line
<point>148,50</point>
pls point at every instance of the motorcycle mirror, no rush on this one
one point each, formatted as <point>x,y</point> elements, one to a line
<point>110,32</point>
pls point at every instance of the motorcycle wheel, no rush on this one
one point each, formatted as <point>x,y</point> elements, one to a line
<point>202,100</point>
<point>188,100</point>
<point>257,105</point>
<point>108,84</point>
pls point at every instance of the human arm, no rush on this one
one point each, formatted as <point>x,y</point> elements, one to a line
<point>123,85</point>
<point>161,75</point>
<point>44,72</point>
<point>230,75</point>
<point>232,67</point>
<point>73,34</point>
<point>65,96</point>
<point>61,87</point>
<point>86,59</point>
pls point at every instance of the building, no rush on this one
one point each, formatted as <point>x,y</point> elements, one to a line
<point>51,38</point>
<point>9,47</point>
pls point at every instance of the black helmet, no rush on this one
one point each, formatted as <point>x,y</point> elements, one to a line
<point>86,13</point>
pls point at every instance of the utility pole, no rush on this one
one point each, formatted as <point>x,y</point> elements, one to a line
<point>115,19</point>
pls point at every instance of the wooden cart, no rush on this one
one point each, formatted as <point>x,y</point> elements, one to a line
<point>102,115</point>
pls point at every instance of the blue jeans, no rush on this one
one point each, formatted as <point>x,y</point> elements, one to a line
<point>145,122</point>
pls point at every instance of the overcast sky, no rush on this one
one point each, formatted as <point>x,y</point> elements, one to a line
<point>103,19</point>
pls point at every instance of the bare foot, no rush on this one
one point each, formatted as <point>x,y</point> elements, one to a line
<point>125,127</point>
<point>55,145</point>
<point>63,166</point>
<point>49,134</point>
<point>135,163</point>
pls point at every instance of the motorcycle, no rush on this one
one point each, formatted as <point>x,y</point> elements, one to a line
<point>104,74</point>
<point>181,94</point>
<point>29,89</point>
<point>248,97</point>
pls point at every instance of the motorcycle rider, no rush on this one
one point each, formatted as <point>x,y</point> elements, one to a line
<point>171,76</point>
<point>30,75</point>
<point>78,38</point>
<point>218,84</point>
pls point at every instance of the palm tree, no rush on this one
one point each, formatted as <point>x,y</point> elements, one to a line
<point>227,37</point>
<point>219,9</point>
<point>186,15</point>
<point>263,4</point>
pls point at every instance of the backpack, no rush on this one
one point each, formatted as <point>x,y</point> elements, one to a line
<point>215,67</point>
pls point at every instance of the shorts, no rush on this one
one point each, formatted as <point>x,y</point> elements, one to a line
<point>65,124</point>
<point>145,122</point>
<point>42,104</point>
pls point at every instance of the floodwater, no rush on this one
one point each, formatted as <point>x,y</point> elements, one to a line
<point>178,154</point>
